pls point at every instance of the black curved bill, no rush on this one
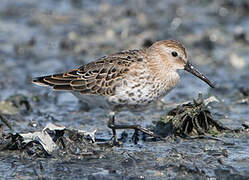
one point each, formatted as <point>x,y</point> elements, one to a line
<point>190,68</point>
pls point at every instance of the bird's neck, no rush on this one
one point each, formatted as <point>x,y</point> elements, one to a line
<point>163,71</point>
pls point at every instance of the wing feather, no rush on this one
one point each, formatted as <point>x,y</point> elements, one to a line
<point>100,77</point>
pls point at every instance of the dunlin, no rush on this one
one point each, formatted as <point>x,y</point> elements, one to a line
<point>132,79</point>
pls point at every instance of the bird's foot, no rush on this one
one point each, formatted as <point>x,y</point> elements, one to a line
<point>135,138</point>
<point>114,141</point>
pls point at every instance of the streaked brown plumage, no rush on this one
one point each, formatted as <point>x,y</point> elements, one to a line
<point>130,79</point>
<point>99,77</point>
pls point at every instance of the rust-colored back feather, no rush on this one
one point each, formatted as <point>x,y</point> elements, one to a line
<point>100,77</point>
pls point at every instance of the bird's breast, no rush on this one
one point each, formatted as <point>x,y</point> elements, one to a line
<point>141,90</point>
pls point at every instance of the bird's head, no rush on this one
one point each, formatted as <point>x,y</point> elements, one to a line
<point>174,57</point>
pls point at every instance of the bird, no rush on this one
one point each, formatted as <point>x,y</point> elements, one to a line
<point>128,80</point>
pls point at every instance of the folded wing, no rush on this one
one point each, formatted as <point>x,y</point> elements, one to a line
<point>100,77</point>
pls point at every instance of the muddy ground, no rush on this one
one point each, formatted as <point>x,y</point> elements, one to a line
<point>49,36</point>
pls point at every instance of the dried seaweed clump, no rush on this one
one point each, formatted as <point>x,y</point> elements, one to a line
<point>53,141</point>
<point>189,119</point>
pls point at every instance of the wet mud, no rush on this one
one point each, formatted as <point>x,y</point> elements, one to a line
<point>44,37</point>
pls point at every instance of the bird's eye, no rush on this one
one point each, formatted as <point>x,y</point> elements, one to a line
<point>174,54</point>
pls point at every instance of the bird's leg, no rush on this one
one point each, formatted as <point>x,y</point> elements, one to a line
<point>113,126</point>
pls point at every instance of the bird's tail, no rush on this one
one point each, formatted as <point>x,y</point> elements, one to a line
<point>56,81</point>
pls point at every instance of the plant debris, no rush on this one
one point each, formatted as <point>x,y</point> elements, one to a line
<point>189,119</point>
<point>52,140</point>
<point>20,101</point>
<point>244,93</point>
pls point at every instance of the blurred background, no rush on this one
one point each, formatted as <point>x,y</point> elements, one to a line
<point>49,36</point>
<point>39,38</point>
